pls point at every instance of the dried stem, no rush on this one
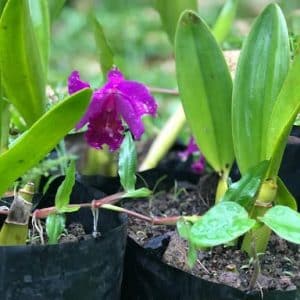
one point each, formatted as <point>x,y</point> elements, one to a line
<point>159,90</point>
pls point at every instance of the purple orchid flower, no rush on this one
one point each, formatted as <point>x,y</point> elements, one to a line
<point>191,149</point>
<point>117,100</point>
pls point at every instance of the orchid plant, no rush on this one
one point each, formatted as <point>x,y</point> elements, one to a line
<point>247,119</point>
<point>23,87</point>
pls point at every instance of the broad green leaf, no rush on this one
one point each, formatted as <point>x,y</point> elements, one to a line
<point>205,88</point>
<point>284,221</point>
<point>225,19</point>
<point>261,70</point>
<point>244,191</point>
<point>2,4</point>
<point>284,197</point>
<point>41,138</point>
<point>20,61</point>
<point>55,225</point>
<point>64,191</point>
<point>170,10</point>
<point>127,163</point>
<point>183,228</point>
<point>106,56</point>
<point>39,11</point>
<point>55,6</point>
<point>283,115</point>
<point>223,223</point>
<point>139,193</point>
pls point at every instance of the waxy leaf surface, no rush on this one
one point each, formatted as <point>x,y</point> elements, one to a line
<point>23,76</point>
<point>284,221</point>
<point>244,191</point>
<point>221,224</point>
<point>205,88</point>
<point>283,115</point>
<point>261,71</point>
<point>41,138</point>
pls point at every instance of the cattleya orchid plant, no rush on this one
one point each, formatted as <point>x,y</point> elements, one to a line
<point>117,103</point>
<point>247,118</point>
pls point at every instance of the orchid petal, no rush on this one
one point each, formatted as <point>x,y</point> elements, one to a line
<point>140,97</point>
<point>75,84</point>
<point>105,128</point>
<point>126,110</point>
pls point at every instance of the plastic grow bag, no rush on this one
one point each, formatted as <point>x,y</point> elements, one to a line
<point>88,269</point>
<point>146,277</point>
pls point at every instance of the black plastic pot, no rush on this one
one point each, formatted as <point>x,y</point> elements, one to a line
<point>146,277</point>
<point>88,269</point>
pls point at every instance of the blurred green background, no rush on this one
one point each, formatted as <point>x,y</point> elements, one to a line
<point>141,47</point>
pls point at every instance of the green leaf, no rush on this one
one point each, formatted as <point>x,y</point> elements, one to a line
<point>283,115</point>
<point>170,11</point>
<point>4,124</point>
<point>205,88</point>
<point>192,255</point>
<point>41,138</point>
<point>2,4</point>
<point>55,225</point>
<point>106,56</point>
<point>39,12</point>
<point>244,191</point>
<point>225,19</point>
<point>261,70</point>
<point>284,197</point>
<point>22,69</point>
<point>183,228</point>
<point>221,224</point>
<point>284,221</point>
<point>139,193</point>
<point>64,191</point>
<point>55,7</point>
<point>127,163</point>
<point>67,209</point>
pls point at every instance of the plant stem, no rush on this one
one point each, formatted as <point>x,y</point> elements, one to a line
<point>165,140</point>
<point>261,235</point>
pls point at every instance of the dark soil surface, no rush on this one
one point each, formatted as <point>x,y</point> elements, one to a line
<point>280,265</point>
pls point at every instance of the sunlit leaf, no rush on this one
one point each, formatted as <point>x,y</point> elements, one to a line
<point>284,221</point>
<point>41,138</point>
<point>261,71</point>
<point>221,224</point>
<point>244,191</point>
<point>283,115</point>
<point>284,197</point>
<point>39,12</point>
<point>205,88</point>
<point>23,77</point>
